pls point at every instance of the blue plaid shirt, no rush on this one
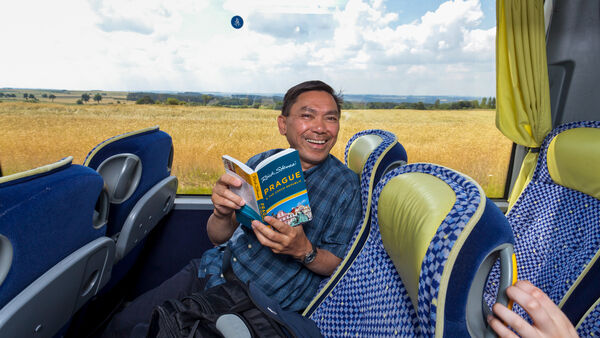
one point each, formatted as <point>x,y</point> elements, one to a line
<point>334,195</point>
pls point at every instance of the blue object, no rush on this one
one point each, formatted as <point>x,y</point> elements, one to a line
<point>46,215</point>
<point>53,255</point>
<point>136,167</point>
<point>384,156</point>
<point>370,299</point>
<point>245,215</point>
<point>557,237</point>
<point>299,325</point>
<point>336,204</point>
<point>237,22</point>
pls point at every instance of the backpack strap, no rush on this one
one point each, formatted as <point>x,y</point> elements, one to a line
<point>226,268</point>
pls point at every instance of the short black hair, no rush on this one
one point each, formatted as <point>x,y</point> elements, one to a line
<point>292,94</point>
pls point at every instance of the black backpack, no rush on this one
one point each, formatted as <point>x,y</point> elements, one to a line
<point>230,309</point>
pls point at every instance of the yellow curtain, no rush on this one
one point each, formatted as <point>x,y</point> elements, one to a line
<point>522,90</point>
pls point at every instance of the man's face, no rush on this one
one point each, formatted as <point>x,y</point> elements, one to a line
<point>311,127</point>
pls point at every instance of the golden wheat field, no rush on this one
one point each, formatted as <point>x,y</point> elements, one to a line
<point>35,134</point>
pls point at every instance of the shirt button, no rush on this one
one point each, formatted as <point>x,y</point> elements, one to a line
<point>234,259</point>
<point>249,246</point>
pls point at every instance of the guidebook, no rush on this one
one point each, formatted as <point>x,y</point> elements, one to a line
<point>275,188</point>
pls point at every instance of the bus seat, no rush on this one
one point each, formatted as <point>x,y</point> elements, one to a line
<point>53,253</point>
<point>556,221</point>
<point>422,271</point>
<point>136,167</point>
<point>369,153</point>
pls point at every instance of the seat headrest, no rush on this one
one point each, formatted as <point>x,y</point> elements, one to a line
<point>43,170</point>
<point>573,160</point>
<point>360,149</point>
<point>443,236</point>
<point>411,208</point>
<point>101,145</point>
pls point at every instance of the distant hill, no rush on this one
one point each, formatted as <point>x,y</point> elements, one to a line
<point>252,100</point>
<point>196,97</point>
<point>407,98</point>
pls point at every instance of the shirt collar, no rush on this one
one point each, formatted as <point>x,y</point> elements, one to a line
<point>325,164</point>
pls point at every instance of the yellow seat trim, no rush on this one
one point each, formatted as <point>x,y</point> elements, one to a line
<point>573,160</point>
<point>40,170</point>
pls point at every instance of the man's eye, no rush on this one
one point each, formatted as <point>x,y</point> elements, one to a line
<point>332,118</point>
<point>305,116</point>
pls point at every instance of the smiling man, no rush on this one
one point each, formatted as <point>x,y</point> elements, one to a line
<point>287,263</point>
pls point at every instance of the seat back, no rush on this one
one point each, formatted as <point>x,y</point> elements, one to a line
<point>53,253</point>
<point>434,237</point>
<point>136,167</point>
<point>369,154</point>
<point>555,221</point>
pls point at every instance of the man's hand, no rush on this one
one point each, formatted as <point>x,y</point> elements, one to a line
<point>221,223</point>
<point>284,239</point>
<point>548,319</point>
<point>224,200</point>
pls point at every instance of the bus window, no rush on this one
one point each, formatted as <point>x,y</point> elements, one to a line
<point>212,75</point>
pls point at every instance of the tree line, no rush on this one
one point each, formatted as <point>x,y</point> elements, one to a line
<point>238,101</point>
<point>275,102</point>
<point>29,97</point>
<point>265,102</point>
<point>485,103</point>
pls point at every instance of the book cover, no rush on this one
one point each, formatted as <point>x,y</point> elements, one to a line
<point>276,188</point>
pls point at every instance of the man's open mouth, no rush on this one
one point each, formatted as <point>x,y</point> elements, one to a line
<point>315,141</point>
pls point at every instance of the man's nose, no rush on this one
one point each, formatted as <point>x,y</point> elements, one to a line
<point>318,125</point>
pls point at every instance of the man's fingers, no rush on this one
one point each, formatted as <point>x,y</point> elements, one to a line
<point>262,232</point>
<point>225,196</point>
<point>230,180</point>
<point>278,225</point>
<point>267,232</point>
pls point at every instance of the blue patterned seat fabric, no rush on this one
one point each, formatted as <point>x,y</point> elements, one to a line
<point>370,299</point>
<point>385,156</point>
<point>557,232</point>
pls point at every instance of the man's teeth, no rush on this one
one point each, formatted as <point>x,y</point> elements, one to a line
<point>316,141</point>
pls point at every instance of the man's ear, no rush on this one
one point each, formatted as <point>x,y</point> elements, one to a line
<point>281,124</point>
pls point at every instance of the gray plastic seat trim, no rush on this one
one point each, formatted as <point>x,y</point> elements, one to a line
<point>48,303</point>
<point>146,214</point>
<point>122,174</point>
<point>6,257</point>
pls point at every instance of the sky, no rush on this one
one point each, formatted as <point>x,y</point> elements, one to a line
<point>393,47</point>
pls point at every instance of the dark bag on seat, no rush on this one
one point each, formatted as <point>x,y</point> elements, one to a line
<point>229,309</point>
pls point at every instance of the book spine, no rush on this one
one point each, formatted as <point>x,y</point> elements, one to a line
<point>258,193</point>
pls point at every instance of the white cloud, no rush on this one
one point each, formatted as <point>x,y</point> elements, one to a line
<point>245,7</point>
<point>416,69</point>
<point>190,46</point>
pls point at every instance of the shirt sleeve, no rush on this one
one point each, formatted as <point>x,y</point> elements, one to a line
<point>345,216</point>
<point>256,159</point>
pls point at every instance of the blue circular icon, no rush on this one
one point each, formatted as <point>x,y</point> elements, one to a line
<point>237,22</point>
